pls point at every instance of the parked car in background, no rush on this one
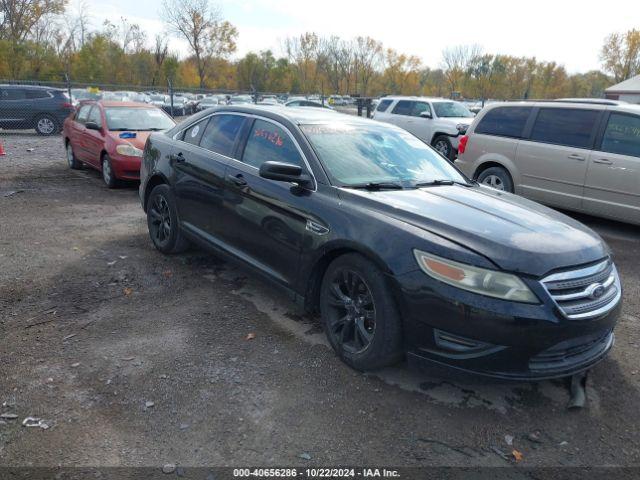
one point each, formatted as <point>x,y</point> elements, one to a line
<point>436,121</point>
<point>80,94</point>
<point>110,135</point>
<point>117,96</point>
<point>24,107</point>
<point>240,100</point>
<point>181,106</point>
<point>399,252</point>
<point>158,100</point>
<point>207,102</point>
<point>581,156</point>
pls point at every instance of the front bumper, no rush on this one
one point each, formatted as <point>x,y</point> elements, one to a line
<point>126,168</point>
<point>498,338</point>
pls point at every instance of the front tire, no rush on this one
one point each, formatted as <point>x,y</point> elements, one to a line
<point>442,144</point>
<point>46,125</point>
<point>108,175</point>
<point>162,221</point>
<point>496,177</point>
<point>73,162</point>
<point>359,314</point>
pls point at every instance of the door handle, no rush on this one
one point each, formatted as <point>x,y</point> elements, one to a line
<point>603,161</point>
<point>178,158</point>
<point>237,180</point>
<point>575,156</point>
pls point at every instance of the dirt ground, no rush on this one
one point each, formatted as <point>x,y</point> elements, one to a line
<point>133,358</point>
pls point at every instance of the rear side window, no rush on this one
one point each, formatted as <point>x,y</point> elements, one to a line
<point>33,94</point>
<point>403,107</point>
<point>504,122</point>
<point>269,142</point>
<point>83,113</point>
<point>193,134</point>
<point>565,126</point>
<point>622,135</point>
<point>383,105</point>
<point>221,132</point>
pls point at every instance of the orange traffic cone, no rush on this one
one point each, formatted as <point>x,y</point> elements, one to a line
<point>2,152</point>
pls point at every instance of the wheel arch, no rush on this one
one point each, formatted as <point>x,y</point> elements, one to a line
<point>440,133</point>
<point>155,180</point>
<point>321,264</point>
<point>489,164</point>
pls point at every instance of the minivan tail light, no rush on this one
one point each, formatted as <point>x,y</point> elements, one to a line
<point>68,105</point>
<point>462,145</point>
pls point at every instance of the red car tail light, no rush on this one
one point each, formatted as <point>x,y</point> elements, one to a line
<point>462,145</point>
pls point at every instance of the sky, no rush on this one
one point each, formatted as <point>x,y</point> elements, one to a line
<point>566,31</point>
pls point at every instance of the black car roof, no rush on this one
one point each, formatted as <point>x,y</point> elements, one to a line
<point>32,87</point>
<point>296,115</point>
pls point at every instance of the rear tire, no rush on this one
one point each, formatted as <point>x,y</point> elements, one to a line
<point>498,178</point>
<point>162,221</point>
<point>46,125</point>
<point>359,314</point>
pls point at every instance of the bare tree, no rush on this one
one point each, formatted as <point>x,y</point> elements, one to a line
<point>303,54</point>
<point>456,61</point>
<point>620,54</point>
<point>160,52</point>
<point>367,56</point>
<point>202,26</point>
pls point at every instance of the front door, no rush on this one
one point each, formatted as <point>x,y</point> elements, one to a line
<point>94,139</point>
<point>267,219</point>
<point>553,160</point>
<point>612,187</point>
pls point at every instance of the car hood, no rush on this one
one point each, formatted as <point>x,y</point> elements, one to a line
<point>516,234</point>
<point>456,120</point>
<point>138,142</point>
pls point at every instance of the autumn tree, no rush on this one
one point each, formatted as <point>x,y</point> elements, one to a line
<point>367,57</point>
<point>620,54</point>
<point>456,62</point>
<point>202,26</point>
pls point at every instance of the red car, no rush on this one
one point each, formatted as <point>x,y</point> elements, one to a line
<point>110,137</point>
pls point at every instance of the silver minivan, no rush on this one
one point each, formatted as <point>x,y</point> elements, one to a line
<point>576,155</point>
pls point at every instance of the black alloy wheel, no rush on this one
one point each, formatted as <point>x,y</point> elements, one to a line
<point>162,221</point>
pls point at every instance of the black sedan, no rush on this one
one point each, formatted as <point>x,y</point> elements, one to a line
<point>400,253</point>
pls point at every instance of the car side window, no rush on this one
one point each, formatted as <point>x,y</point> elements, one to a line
<point>294,104</point>
<point>504,122</point>
<point>83,113</point>
<point>419,107</point>
<point>383,105</point>
<point>622,135</point>
<point>34,94</point>
<point>193,134</point>
<point>95,116</point>
<point>269,142</point>
<point>13,94</point>
<point>403,107</point>
<point>220,134</point>
<point>565,126</point>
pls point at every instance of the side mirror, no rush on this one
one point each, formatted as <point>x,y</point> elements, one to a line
<point>92,126</point>
<point>426,114</point>
<point>284,172</point>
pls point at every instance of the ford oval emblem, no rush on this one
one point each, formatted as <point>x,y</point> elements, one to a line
<point>595,291</point>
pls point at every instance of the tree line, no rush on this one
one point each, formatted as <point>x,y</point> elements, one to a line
<point>43,40</point>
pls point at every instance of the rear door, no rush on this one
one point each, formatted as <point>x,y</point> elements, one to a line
<point>267,219</point>
<point>199,161</point>
<point>552,160</point>
<point>612,187</point>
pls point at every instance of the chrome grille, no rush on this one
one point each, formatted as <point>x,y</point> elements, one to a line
<point>585,292</point>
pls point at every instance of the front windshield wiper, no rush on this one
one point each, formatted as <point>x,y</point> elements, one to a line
<point>376,186</point>
<point>437,183</point>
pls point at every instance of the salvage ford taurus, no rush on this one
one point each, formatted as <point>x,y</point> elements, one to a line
<point>399,252</point>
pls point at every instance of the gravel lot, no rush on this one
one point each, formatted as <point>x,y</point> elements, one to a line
<point>133,358</point>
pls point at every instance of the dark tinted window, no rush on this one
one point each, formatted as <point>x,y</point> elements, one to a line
<point>419,107</point>
<point>37,94</point>
<point>403,107</point>
<point>295,103</point>
<point>268,142</point>
<point>622,135</point>
<point>193,134</point>
<point>12,94</point>
<point>221,132</point>
<point>565,126</point>
<point>83,113</point>
<point>95,116</point>
<point>383,105</point>
<point>504,121</point>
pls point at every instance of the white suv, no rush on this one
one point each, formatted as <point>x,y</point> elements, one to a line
<point>436,121</point>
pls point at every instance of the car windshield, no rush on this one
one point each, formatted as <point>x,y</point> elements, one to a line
<point>451,109</point>
<point>131,118</point>
<point>355,155</point>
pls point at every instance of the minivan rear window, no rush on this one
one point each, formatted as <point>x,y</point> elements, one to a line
<point>504,122</point>
<point>622,135</point>
<point>572,127</point>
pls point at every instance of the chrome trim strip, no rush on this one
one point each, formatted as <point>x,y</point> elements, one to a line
<point>583,293</point>
<point>576,274</point>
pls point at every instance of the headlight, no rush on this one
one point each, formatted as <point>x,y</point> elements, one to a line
<point>478,280</point>
<point>129,151</point>
<point>462,127</point>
